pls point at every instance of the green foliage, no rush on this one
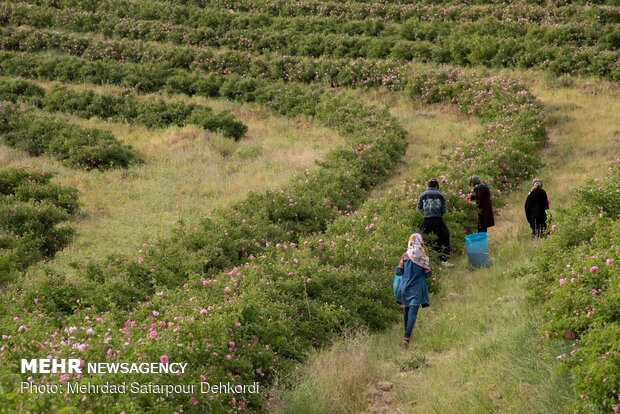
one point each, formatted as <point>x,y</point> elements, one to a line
<point>594,365</point>
<point>20,90</point>
<point>244,295</point>
<point>248,153</point>
<point>150,112</point>
<point>577,270</point>
<point>413,361</point>
<point>285,270</point>
<point>562,38</point>
<point>76,147</point>
<point>31,208</point>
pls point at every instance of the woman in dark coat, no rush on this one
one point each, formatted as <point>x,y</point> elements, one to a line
<point>412,292</point>
<point>482,196</point>
<point>536,206</point>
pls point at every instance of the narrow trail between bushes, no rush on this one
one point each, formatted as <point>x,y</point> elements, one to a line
<point>477,348</point>
<point>431,129</point>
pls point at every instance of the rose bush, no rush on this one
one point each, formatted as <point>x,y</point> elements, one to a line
<point>31,212</point>
<point>250,292</point>
<point>74,146</point>
<point>577,280</point>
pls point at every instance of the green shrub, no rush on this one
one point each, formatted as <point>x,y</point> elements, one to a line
<point>75,146</point>
<point>31,208</point>
<point>577,282</point>
<point>150,112</point>
<point>250,290</point>
<point>20,90</point>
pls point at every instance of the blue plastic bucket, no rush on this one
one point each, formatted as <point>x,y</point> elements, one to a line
<point>477,248</point>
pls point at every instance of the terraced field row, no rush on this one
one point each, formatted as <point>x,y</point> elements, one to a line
<point>245,293</point>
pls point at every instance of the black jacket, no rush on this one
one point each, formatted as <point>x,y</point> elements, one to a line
<point>535,205</point>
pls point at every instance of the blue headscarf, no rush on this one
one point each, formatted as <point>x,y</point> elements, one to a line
<point>473,180</point>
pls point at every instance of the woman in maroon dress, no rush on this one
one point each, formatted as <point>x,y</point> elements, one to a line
<point>482,196</point>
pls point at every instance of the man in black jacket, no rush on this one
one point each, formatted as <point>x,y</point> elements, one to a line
<point>433,204</point>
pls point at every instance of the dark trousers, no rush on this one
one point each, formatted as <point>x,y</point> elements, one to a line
<point>539,226</point>
<point>410,314</point>
<point>436,226</point>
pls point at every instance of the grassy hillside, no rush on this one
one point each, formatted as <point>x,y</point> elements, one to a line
<point>479,347</point>
<point>247,172</point>
<point>188,173</point>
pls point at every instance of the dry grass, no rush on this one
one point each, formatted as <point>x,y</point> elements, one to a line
<point>189,172</point>
<point>335,382</point>
<point>586,134</point>
<point>432,129</point>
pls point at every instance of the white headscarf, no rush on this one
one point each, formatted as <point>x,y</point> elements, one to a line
<point>416,253</point>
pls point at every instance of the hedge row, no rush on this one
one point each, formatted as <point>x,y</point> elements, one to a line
<point>339,185</point>
<point>304,205</point>
<point>150,112</point>
<point>311,35</point>
<point>21,91</point>
<point>74,146</point>
<point>31,210</point>
<point>249,320</point>
<point>169,57</point>
<point>252,14</point>
<point>385,10</point>
<point>569,51</point>
<point>575,25</point>
<point>208,76</point>
<point>578,281</point>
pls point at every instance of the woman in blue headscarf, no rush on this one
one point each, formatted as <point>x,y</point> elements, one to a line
<point>412,292</point>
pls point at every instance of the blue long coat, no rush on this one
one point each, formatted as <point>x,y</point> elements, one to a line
<point>413,290</point>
